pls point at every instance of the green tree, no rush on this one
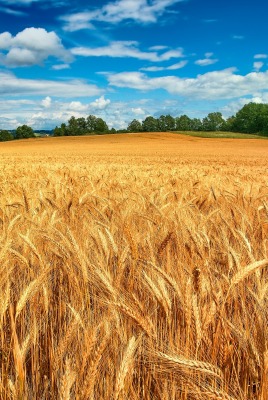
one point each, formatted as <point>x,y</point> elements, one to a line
<point>166,123</point>
<point>82,126</point>
<point>228,125</point>
<point>60,131</point>
<point>150,124</point>
<point>101,126</point>
<point>213,122</point>
<point>24,132</point>
<point>170,123</point>
<point>252,118</point>
<point>196,124</point>
<point>73,127</point>
<point>162,123</point>
<point>134,126</point>
<point>91,123</point>
<point>183,123</point>
<point>5,136</point>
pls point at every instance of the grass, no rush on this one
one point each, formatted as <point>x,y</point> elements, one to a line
<point>223,135</point>
<point>134,267</point>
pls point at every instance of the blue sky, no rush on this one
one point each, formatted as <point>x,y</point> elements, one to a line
<point>126,59</point>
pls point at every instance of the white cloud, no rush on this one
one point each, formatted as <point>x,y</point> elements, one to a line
<point>157,48</point>
<point>18,57</point>
<point>138,111</point>
<point>10,11</point>
<point>258,65</point>
<point>172,67</point>
<point>44,114</point>
<point>100,103</point>
<point>48,112</point>
<point>59,67</point>
<point>117,114</point>
<point>32,46</point>
<point>76,106</point>
<point>5,40</point>
<point>234,106</point>
<point>224,84</point>
<point>238,37</point>
<point>177,66</point>
<point>28,2</point>
<point>13,86</point>
<point>152,69</point>
<point>46,102</point>
<point>209,21</point>
<point>124,49</point>
<point>261,56</point>
<point>207,60</point>
<point>140,11</point>
<point>19,1</point>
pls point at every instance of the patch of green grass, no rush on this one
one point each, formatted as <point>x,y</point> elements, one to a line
<point>222,135</point>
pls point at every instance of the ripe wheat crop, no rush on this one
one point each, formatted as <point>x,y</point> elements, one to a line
<point>134,267</point>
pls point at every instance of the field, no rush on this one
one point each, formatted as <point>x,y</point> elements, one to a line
<point>134,267</point>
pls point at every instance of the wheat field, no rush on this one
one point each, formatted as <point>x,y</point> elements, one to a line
<point>134,267</point>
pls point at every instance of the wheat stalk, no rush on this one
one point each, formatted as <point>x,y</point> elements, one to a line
<point>126,364</point>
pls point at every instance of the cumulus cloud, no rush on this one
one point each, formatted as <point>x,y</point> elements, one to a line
<point>49,112</point>
<point>32,46</point>
<point>140,11</point>
<point>234,106</point>
<point>13,86</point>
<point>100,103</point>
<point>224,84</point>
<point>117,114</point>
<point>5,40</point>
<point>18,57</point>
<point>76,106</point>
<point>46,102</point>
<point>124,49</point>
<point>138,111</point>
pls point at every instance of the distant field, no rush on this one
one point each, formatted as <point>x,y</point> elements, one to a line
<point>164,144</point>
<point>226,135</point>
<point>134,267</point>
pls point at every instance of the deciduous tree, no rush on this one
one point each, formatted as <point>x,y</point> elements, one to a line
<point>252,118</point>
<point>213,122</point>
<point>150,124</point>
<point>183,123</point>
<point>24,132</point>
<point>134,126</point>
<point>5,136</point>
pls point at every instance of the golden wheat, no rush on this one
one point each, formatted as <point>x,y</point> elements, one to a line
<point>134,267</point>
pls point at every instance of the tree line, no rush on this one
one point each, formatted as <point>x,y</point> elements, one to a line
<point>83,126</point>
<point>22,132</point>
<point>251,118</point>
